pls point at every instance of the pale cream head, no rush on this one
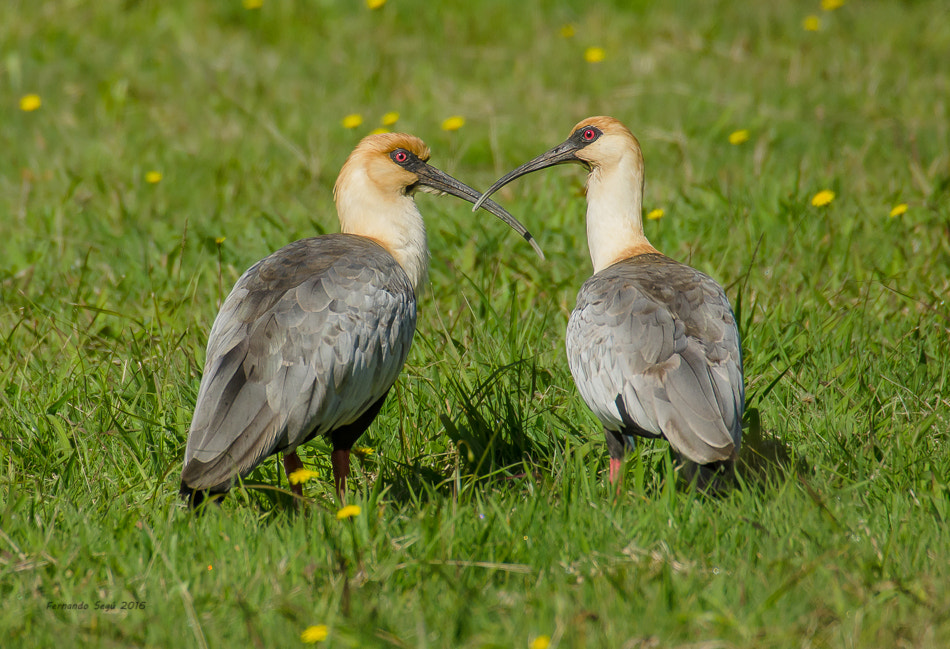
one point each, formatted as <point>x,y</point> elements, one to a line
<point>374,200</point>
<point>614,190</point>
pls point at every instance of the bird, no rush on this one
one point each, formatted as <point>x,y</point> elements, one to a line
<point>312,337</point>
<point>652,344</point>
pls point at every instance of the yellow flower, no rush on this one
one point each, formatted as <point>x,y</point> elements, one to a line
<point>390,118</point>
<point>302,475</point>
<point>375,4</point>
<point>348,512</point>
<point>209,567</point>
<point>653,215</point>
<point>378,130</point>
<point>315,634</point>
<point>738,137</point>
<point>253,4</point>
<point>453,123</point>
<point>363,451</point>
<point>153,177</point>
<point>595,54</point>
<point>822,198</point>
<point>219,240</point>
<point>567,31</point>
<point>541,642</point>
<point>897,210</point>
<point>29,103</point>
<point>811,23</point>
<point>831,5</point>
<point>352,120</point>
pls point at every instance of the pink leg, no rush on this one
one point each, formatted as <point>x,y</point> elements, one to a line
<point>340,459</point>
<point>292,463</point>
<point>614,471</point>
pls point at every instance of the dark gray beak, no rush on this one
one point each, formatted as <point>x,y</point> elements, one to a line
<point>561,154</point>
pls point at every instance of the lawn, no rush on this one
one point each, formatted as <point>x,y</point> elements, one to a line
<point>152,151</point>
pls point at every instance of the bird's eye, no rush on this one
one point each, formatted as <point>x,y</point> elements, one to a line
<point>589,134</point>
<point>399,156</point>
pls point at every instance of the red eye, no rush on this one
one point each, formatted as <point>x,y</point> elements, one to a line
<point>400,156</point>
<point>589,134</point>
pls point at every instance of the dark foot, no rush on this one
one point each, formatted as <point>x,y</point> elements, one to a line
<point>714,479</point>
<point>292,463</point>
<point>195,497</point>
<point>340,459</point>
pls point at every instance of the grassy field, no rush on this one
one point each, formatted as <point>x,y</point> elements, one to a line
<point>175,143</point>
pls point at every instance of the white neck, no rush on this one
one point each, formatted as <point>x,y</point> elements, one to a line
<point>392,220</point>
<point>614,208</point>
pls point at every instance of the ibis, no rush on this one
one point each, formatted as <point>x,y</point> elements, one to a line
<point>311,338</point>
<point>652,344</point>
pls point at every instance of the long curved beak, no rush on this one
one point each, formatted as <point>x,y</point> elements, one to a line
<point>561,154</point>
<point>432,179</point>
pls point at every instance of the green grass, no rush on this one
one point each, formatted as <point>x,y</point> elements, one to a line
<point>487,520</point>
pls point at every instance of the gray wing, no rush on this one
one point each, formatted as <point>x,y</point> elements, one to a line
<point>654,343</point>
<point>308,339</point>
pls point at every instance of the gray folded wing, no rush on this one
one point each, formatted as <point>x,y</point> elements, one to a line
<point>308,339</point>
<point>654,343</point>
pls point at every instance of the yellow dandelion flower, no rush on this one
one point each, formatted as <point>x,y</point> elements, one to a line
<point>209,567</point>
<point>453,123</point>
<point>352,120</point>
<point>363,451</point>
<point>302,475</point>
<point>379,129</point>
<point>811,23</point>
<point>897,210</point>
<point>219,240</point>
<point>822,198</point>
<point>253,4</point>
<point>738,137</point>
<point>390,118</point>
<point>315,634</point>
<point>831,5</point>
<point>153,177</point>
<point>541,642</point>
<point>29,103</point>
<point>375,4</point>
<point>348,512</point>
<point>567,31</point>
<point>595,54</point>
<point>653,215</point>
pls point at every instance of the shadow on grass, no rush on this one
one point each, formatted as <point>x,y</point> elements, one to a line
<point>765,459</point>
<point>499,455</point>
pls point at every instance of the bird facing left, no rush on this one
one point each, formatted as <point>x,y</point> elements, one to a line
<point>311,338</point>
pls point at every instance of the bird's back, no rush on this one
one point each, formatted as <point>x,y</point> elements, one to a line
<point>309,338</point>
<point>654,350</point>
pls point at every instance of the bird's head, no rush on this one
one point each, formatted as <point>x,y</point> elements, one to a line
<point>599,142</point>
<point>390,162</point>
<point>383,173</point>
<point>596,143</point>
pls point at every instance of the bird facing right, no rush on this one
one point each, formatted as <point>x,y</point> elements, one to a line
<point>652,344</point>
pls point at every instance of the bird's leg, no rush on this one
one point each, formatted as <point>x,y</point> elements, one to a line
<point>343,439</point>
<point>614,470</point>
<point>292,463</point>
<point>615,445</point>
<point>340,459</point>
